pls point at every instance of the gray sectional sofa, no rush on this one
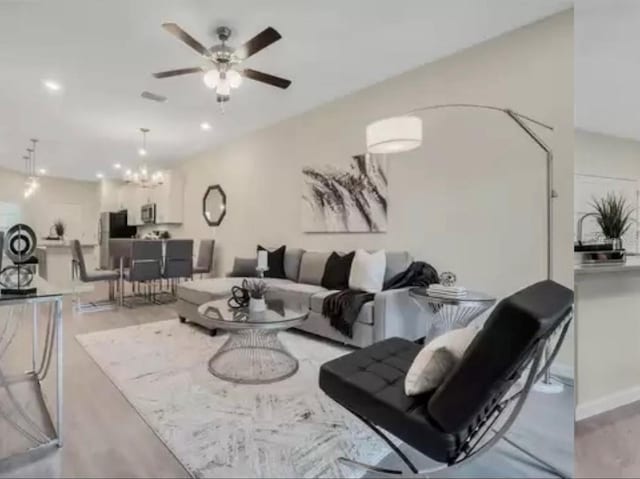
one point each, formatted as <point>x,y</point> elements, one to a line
<point>391,313</point>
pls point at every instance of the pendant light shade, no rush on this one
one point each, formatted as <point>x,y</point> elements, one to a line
<point>394,135</point>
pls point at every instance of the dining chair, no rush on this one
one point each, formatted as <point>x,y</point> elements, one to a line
<point>79,271</point>
<point>178,262</point>
<point>145,268</point>
<point>204,261</point>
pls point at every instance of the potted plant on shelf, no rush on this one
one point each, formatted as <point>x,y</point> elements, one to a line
<point>257,290</point>
<point>614,217</point>
<point>59,228</point>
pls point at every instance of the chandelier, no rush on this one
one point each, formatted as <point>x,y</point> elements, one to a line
<point>31,184</point>
<point>142,176</point>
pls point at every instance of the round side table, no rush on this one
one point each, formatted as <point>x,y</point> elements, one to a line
<point>451,313</point>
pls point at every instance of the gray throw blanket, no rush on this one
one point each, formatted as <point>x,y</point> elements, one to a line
<point>343,307</point>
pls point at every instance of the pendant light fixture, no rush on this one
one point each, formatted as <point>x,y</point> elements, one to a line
<point>32,183</point>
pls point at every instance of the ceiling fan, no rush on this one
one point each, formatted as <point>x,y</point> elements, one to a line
<point>224,73</point>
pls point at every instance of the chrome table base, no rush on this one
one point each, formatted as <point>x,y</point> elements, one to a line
<point>30,420</point>
<point>253,356</point>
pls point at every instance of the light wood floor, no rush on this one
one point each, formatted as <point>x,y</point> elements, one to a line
<point>105,437</point>
<point>607,445</point>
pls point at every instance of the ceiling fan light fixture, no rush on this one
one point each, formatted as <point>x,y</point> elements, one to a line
<point>224,87</point>
<point>211,78</point>
<point>234,78</point>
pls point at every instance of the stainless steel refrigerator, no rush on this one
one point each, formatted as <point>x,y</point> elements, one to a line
<point>112,225</point>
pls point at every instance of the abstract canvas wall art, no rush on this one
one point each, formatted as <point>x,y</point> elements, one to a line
<point>349,198</point>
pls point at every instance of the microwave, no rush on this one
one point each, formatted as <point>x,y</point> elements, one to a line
<point>148,213</point>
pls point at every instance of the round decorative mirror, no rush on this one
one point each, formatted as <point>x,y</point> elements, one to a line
<point>214,205</point>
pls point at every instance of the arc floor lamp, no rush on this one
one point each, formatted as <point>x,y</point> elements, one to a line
<point>403,133</point>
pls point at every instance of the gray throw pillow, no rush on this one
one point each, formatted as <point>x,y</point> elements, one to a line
<point>312,267</point>
<point>244,268</point>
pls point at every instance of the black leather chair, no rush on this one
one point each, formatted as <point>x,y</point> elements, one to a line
<point>458,420</point>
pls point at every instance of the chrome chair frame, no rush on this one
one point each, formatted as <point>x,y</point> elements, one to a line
<point>486,430</point>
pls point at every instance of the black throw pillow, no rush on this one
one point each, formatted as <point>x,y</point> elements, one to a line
<point>337,270</point>
<point>275,261</point>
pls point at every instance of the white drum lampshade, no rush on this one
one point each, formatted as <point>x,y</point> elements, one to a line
<point>394,135</point>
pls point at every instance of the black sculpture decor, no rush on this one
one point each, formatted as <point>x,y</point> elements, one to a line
<point>239,296</point>
<point>214,205</point>
<point>19,245</point>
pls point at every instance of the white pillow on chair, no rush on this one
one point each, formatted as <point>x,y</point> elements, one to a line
<point>437,359</point>
<point>367,271</point>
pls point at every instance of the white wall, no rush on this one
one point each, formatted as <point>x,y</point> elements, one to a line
<point>470,200</point>
<point>75,202</point>
<point>607,304</point>
<point>605,155</point>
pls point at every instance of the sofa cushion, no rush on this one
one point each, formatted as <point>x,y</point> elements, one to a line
<point>203,290</point>
<point>366,312</point>
<point>292,258</point>
<point>370,382</point>
<point>337,271</point>
<point>312,267</point>
<point>294,294</point>
<point>397,262</point>
<point>244,268</point>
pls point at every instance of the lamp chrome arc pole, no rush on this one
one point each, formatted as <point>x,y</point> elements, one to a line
<point>522,121</point>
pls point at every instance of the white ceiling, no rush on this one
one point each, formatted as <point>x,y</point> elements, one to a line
<point>607,67</point>
<point>103,52</point>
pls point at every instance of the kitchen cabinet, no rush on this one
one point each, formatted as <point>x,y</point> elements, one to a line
<point>168,198</point>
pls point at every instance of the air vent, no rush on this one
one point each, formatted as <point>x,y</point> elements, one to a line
<point>153,96</point>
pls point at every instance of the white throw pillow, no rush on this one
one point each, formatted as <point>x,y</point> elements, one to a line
<point>367,271</point>
<point>429,370</point>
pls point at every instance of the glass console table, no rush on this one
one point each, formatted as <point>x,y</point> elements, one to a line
<point>28,428</point>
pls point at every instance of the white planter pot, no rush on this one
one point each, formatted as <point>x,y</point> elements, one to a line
<point>257,305</point>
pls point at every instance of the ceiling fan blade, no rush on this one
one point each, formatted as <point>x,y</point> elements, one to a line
<point>183,36</point>
<point>266,78</point>
<point>180,71</point>
<point>261,41</point>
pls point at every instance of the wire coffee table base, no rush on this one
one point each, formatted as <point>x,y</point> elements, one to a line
<point>253,356</point>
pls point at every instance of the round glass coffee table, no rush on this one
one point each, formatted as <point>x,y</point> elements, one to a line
<point>252,354</point>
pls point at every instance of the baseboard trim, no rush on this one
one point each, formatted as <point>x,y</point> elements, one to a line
<point>607,403</point>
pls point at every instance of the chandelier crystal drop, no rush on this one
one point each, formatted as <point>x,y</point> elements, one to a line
<point>141,175</point>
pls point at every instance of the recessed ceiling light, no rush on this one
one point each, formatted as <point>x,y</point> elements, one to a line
<point>42,171</point>
<point>52,85</point>
<point>99,176</point>
<point>117,166</point>
<point>205,126</point>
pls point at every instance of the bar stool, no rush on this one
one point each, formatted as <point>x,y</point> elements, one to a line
<point>79,270</point>
<point>178,262</point>
<point>204,262</point>
<point>145,268</point>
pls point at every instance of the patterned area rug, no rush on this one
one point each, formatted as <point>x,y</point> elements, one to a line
<point>219,429</point>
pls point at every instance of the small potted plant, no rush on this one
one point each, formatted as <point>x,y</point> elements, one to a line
<point>59,227</point>
<point>257,290</point>
<point>614,217</point>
